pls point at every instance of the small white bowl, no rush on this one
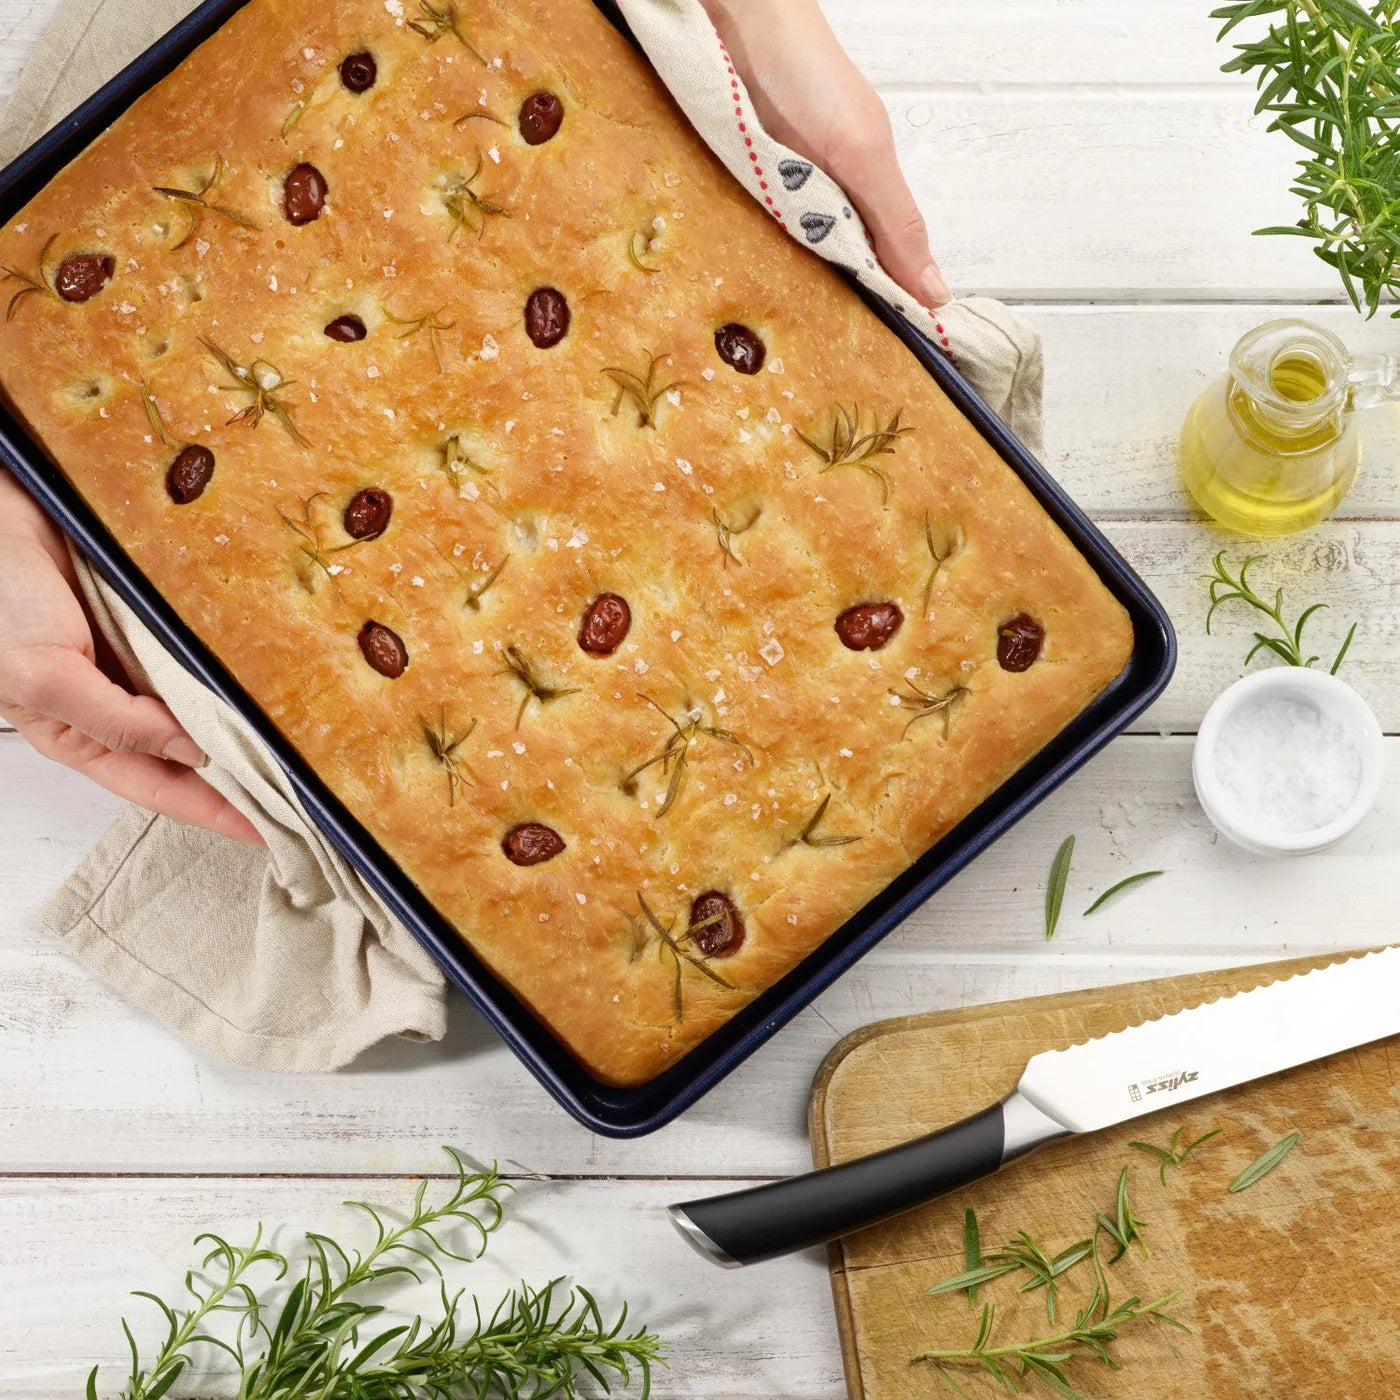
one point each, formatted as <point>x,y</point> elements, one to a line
<point>1335,699</point>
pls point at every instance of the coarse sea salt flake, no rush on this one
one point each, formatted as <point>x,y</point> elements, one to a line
<point>518,746</point>
<point>772,651</point>
<point>846,753</point>
<point>489,348</point>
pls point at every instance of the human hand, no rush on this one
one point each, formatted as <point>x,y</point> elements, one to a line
<point>811,97</point>
<point>56,687</point>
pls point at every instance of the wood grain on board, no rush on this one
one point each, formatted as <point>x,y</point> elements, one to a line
<point>1288,1287</point>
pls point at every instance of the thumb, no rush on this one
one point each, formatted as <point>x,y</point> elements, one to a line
<point>869,172</point>
<point>68,688</point>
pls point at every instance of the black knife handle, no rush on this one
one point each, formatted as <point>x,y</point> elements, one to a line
<point>746,1227</point>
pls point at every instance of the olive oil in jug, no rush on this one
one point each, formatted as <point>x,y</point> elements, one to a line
<point>1274,445</point>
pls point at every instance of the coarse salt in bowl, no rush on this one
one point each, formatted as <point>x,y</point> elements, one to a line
<point>1288,761</point>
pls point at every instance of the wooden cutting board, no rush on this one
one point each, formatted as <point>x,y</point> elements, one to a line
<point>1291,1288</point>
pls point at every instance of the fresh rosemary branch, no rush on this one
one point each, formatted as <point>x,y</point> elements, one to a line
<point>844,445</point>
<point>323,1338</point>
<point>925,705</point>
<point>1122,885</point>
<point>682,955</point>
<point>674,757</point>
<point>809,835</point>
<point>1262,1166</point>
<point>643,392</point>
<point>1096,1327</point>
<point>1124,1229</point>
<point>535,688</point>
<point>1329,73</point>
<point>430,322</point>
<point>444,746</point>
<point>309,533</point>
<point>197,203</point>
<point>435,21</point>
<point>264,383</point>
<point>468,208</point>
<point>1289,646</point>
<point>37,283</point>
<point>725,532</point>
<point>1175,1153</point>
<point>1055,886</point>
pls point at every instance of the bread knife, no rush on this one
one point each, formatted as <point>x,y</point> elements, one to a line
<point>1156,1065</point>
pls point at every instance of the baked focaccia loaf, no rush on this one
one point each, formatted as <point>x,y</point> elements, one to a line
<point>607,558</point>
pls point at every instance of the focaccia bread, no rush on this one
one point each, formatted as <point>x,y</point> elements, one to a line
<point>636,589</point>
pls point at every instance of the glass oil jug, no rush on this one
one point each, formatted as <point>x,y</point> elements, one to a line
<point>1274,445</point>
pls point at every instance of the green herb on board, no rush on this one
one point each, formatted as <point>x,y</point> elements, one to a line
<point>1055,889</point>
<point>1328,72</point>
<point>322,1337</point>
<point>1262,1166</point>
<point>1120,887</point>
<point>972,1249</point>
<point>1124,1229</point>
<point>1176,1153</point>
<point>1289,646</point>
<point>1096,1328</point>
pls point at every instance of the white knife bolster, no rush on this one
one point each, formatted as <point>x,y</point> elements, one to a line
<point>1025,1127</point>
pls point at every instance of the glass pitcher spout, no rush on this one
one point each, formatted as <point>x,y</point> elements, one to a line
<point>1374,380</point>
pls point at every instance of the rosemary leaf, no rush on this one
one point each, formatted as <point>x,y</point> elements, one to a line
<point>1120,886</point>
<point>1055,889</point>
<point>1262,1166</point>
<point>1175,1154</point>
<point>972,1249</point>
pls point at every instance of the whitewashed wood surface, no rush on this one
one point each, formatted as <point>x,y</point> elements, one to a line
<point>1082,157</point>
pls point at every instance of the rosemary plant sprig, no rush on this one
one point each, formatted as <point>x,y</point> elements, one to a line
<point>435,21</point>
<point>478,591</point>
<point>1124,1228</point>
<point>1329,73</point>
<point>324,1339</point>
<point>37,283</point>
<point>1261,1166</point>
<point>1288,646</point>
<point>809,836</point>
<point>430,323</point>
<point>844,445</point>
<point>469,208</point>
<point>535,688</point>
<point>674,757</point>
<point>682,956</point>
<point>309,533</point>
<point>264,383</point>
<point>1055,886</point>
<point>643,392</point>
<point>638,248</point>
<point>925,705</point>
<point>1096,1328</point>
<point>197,203</point>
<point>153,414</point>
<point>445,746</point>
<point>725,533</point>
<point>1176,1152</point>
<point>1124,884</point>
<point>940,551</point>
<point>458,464</point>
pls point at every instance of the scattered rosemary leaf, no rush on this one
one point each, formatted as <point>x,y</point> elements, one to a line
<point>430,322</point>
<point>461,121</point>
<point>478,591</point>
<point>444,746</point>
<point>535,688</point>
<point>35,283</point>
<point>638,246</point>
<point>468,208</point>
<point>1262,1166</point>
<point>940,550</point>
<point>197,202</point>
<point>1119,887</point>
<point>809,835</point>
<point>437,20</point>
<point>972,1249</point>
<point>1175,1154</point>
<point>264,383</point>
<point>1055,889</point>
<point>153,414</point>
<point>297,112</point>
<point>725,533</point>
<point>682,955</point>
<point>1125,1228</point>
<point>674,757</point>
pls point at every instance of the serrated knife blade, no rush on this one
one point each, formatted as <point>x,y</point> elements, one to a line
<point>1090,1086</point>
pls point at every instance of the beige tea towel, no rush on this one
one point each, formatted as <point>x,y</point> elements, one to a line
<point>282,959</point>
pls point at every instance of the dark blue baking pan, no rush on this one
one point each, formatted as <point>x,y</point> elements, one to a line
<point>615,1112</point>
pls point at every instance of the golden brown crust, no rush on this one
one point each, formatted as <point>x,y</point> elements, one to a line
<point>715,522</point>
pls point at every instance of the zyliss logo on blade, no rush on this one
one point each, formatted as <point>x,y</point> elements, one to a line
<point>1164,1084</point>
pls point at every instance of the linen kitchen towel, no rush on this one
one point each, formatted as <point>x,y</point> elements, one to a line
<point>282,959</point>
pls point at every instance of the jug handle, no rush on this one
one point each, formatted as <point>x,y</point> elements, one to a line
<point>1374,379</point>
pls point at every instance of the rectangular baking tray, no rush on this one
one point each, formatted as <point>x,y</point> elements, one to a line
<point>611,1111</point>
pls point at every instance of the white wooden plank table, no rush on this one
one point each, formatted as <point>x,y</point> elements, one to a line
<point>1083,158</point>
